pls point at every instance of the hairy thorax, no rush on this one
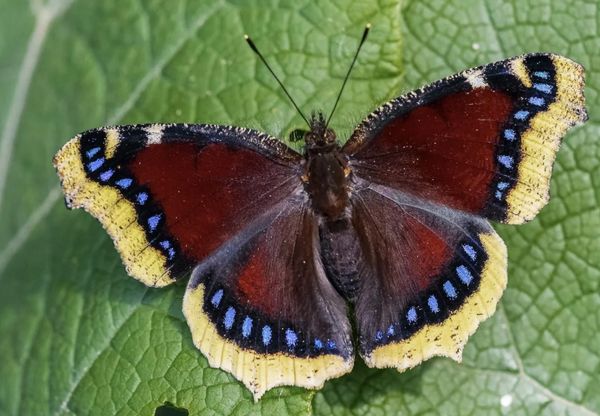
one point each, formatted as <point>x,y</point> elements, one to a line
<point>327,181</point>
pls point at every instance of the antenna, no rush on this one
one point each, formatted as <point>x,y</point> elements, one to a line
<point>255,49</point>
<point>364,37</point>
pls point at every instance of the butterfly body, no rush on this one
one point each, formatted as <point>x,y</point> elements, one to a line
<point>326,171</point>
<point>391,227</point>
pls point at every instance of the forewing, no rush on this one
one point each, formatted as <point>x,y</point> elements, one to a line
<point>429,276</point>
<point>482,141</point>
<point>262,308</point>
<point>169,195</point>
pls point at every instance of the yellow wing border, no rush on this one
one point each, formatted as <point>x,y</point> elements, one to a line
<point>259,372</point>
<point>107,202</point>
<point>448,337</point>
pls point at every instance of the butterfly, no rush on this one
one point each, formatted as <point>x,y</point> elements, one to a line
<point>390,227</point>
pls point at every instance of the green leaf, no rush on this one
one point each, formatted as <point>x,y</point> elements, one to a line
<point>80,337</point>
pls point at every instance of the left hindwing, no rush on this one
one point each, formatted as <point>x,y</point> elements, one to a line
<point>482,141</point>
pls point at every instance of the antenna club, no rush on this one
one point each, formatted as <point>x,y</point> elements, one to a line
<point>368,26</point>
<point>246,36</point>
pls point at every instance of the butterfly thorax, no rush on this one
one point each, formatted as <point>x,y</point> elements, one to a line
<point>326,170</point>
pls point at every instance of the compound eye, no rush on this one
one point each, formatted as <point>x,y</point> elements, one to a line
<point>297,135</point>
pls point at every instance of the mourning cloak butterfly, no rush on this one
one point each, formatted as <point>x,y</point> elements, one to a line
<point>394,222</point>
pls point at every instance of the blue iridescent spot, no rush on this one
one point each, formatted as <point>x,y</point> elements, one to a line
<point>216,299</point>
<point>467,248</point>
<point>547,88</point>
<point>542,74</point>
<point>95,164</point>
<point>141,198</point>
<point>318,344</point>
<point>290,338</point>
<point>92,152</point>
<point>229,317</point>
<point>379,335</point>
<point>506,161</point>
<point>521,114</point>
<point>502,185</point>
<point>498,195</point>
<point>391,330</point>
<point>331,346</point>
<point>124,183</point>
<point>165,244</point>
<point>266,335</point>
<point>171,252</point>
<point>539,101</point>
<point>433,304</point>
<point>464,275</point>
<point>106,175</point>
<point>153,221</point>
<point>411,315</point>
<point>509,134</point>
<point>449,289</point>
<point>246,327</point>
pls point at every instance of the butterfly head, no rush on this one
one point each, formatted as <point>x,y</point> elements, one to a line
<point>319,136</point>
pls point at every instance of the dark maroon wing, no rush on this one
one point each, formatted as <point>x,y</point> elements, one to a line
<point>169,195</point>
<point>230,203</point>
<point>482,141</point>
<point>427,277</point>
<point>262,308</point>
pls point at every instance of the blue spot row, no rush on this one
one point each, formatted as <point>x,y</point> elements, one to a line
<point>521,115</point>
<point>464,275</point>
<point>92,152</point>
<point>470,251</point>
<point>290,338</point>
<point>166,245</point>
<point>247,327</point>
<point>106,175</point>
<point>449,290</point>
<point>216,299</point>
<point>229,318</point>
<point>141,198</point>
<point>433,304</point>
<point>411,315</point>
<point>153,222</point>
<point>94,165</point>
<point>537,101</point>
<point>545,88</point>
<point>124,183</point>
<point>501,186</point>
<point>266,335</point>
<point>542,74</point>
<point>510,135</point>
<point>506,161</point>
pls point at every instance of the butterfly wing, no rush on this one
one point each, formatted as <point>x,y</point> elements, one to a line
<point>482,141</point>
<point>263,309</point>
<point>230,203</point>
<point>169,195</point>
<point>428,276</point>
